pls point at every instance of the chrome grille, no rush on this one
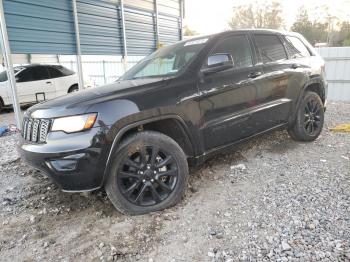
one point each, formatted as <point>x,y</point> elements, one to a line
<point>44,130</point>
<point>35,130</point>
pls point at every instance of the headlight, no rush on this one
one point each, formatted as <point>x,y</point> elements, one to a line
<point>72,124</point>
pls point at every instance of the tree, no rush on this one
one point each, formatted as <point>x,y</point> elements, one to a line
<point>257,15</point>
<point>344,34</point>
<point>189,32</point>
<point>314,32</point>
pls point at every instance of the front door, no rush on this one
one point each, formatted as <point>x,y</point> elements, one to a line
<point>227,97</point>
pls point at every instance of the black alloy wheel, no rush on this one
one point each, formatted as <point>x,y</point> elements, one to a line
<point>149,173</point>
<point>148,176</point>
<point>309,120</point>
<point>312,117</point>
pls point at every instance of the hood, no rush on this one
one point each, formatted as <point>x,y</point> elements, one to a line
<point>78,102</point>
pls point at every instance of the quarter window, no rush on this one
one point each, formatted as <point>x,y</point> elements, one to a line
<point>54,73</point>
<point>239,49</point>
<point>296,48</point>
<point>270,48</point>
<point>65,71</point>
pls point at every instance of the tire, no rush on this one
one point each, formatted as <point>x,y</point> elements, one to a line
<point>149,173</point>
<point>1,105</point>
<point>309,119</point>
<point>73,88</point>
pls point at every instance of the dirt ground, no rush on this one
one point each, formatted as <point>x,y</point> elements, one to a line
<point>271,199</point>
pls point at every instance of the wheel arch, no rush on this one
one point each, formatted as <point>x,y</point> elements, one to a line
<point>74,85</point>
<point>160,124</point>
<point>315,85</point>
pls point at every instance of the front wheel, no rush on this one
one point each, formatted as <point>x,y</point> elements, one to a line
<point>149,173</point>
<point>309,118</point>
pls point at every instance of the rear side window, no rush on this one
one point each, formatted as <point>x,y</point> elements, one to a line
<point>25,76</point>
<point>40,73</point>
<point>239,49</point>
<point>270,47</point>
<point>296,48</point>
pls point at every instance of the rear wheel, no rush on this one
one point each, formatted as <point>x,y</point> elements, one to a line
<point>149,173</point>
<point>73,88</point>
<point>309,118</point>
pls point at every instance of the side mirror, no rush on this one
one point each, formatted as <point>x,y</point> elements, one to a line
<point>17,78</point>
<point>218,62</point>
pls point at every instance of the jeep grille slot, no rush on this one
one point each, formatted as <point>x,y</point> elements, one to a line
<point>35,130</point>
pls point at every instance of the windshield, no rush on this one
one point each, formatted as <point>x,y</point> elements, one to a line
<point>3,74</point>
<point>166,61</point>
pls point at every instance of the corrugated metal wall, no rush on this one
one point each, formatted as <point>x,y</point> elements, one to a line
<point>169,22</point>
<point>100,27</point>
<point>140,31</point>
<point>47,26</point>
<point>40,26</point>
<point>337,71</point>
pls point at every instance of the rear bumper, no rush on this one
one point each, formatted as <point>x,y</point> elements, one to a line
<point>76,162</point>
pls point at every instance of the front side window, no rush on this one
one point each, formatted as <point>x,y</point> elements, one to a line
<point>238,47</point>
<point>166,61</point>
<point>3,74</point>
<point>296,48</point>
<point>33,74</point>
<point>270,47</point>
<point>25,76</point>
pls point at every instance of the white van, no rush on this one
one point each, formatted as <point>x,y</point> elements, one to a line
<point>36,83</point>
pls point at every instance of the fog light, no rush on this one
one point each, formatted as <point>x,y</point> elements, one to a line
<point>64,165</point>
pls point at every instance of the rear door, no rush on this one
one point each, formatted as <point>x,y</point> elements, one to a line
<point>272,95</point>
<point>227,97</point>
<point>34,84</point>
<point>59,81</point>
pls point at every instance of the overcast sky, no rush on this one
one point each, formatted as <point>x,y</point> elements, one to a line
<point>208,16</point>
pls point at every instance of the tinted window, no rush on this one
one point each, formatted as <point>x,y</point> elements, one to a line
<point>33,74</point>
<point>54,73</point>
<point>296,48</point>
<point>239,49</point>
<point>40,73</point>
<point>270,47</point>
<point>65,71</point>
<point>26,75</point>
<point>3,74</point>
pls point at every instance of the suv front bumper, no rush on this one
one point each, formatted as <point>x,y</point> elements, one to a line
<point>76,162</point>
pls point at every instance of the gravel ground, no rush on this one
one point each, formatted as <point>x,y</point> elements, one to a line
<point>270,199</point>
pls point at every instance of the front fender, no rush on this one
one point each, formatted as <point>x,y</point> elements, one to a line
<point>123,125</point>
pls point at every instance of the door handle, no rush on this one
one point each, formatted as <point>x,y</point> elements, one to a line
<point>48,82</point>
<point>254,74</point>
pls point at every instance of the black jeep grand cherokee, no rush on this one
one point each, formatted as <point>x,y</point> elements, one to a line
<point>179,105</point>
